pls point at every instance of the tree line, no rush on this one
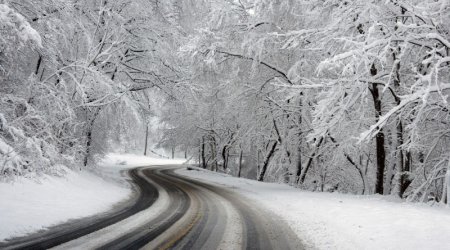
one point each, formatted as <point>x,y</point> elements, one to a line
<point>77,76</point>
<point>348,96</point>
<point>325,95</point>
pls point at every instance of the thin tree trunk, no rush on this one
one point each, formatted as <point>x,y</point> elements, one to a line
<point>38,65</point>
<point>446,186</point>
<point>299,150</point>
<point>358,168</point>
<point>146,140</point>
<point>89,137</point>
<point>309,163</point>
<point>240,164</point>
<point>447,183</point>
<point>200,154</point>
<point>299,165</point>
<point>403,163</point>
<point>405,177</point>
<point>88,146</point>
<point>214,153</point>
<point>267,161</point>
<point>42,74</point>
<point>203,153</point>
<point>225,157</point>
<point>379,142</point>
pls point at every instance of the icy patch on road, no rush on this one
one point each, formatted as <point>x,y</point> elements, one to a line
<point>27,206</point>
<point>339,221</point>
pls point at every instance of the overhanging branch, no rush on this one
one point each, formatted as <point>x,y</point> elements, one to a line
<point>278,71</point>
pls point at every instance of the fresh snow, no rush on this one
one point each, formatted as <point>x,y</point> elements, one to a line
<point>133,160</point>
<point>321,220</point>
<point>29,205</point>
<point>340,221</point>
<point>23,29</point>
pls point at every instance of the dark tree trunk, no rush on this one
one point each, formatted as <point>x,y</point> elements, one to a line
<point>240,164</point>
<point>38,64</point>
<point>225,157</point>
<point>403,157</point>
<point>89,137</point>
<point>213,153</point>
<point>400,157</point>
<point>146,140</point>
<point>267,161</point>
<point>379,142</point>
<point>200,154</point>
<point>203,153</point>
<point>299,165</point>
<point>309,163</point>
<point>88,146</point>
<point>405,178</point>
<point>358,168</point>
<point>299,149</point>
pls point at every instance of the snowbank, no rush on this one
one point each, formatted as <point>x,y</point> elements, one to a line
<point>338,221</point>
<point>27,205</point>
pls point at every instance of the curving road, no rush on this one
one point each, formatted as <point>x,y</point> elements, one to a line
<point>171,212</point>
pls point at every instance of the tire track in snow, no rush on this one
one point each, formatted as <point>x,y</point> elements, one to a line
<point>60,234</point>
<point>183,213</point>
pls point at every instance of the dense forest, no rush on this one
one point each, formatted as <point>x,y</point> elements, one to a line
<point>326,95</point>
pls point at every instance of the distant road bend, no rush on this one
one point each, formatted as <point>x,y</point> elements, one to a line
<point>170,212</point>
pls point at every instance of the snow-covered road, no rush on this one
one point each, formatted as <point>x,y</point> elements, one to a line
<point>173,211</point>
<point>203,216</point>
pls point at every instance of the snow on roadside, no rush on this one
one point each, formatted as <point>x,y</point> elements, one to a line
<point>30,205</point>
<point>27,205</point>
<point>339,221</point>
<point>133,160</point>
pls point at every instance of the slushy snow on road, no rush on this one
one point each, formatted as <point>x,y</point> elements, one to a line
<point>29,205</point>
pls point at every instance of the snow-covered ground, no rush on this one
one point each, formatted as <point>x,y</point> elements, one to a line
<point>132,160</point>
<point>338,221</point>
<point>322,220</point>
<point>29,205</point>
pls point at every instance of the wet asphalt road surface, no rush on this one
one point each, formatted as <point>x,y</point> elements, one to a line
<point>170,211</point>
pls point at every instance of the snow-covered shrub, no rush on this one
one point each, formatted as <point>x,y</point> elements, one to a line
<point>35,117</point>
<point>15,24</point>
<point>29,141</point>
